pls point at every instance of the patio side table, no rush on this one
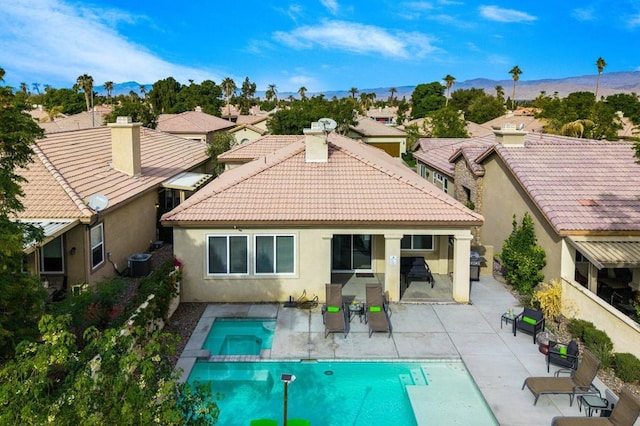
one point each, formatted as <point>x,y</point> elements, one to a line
<point>592,403</point>
<point>356,308</point>
<point>507,318</point>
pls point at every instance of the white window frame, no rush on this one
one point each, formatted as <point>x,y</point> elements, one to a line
<point>100,245</point>
<point>437,177</point>
<point>228,263</point>
<point>412,248</point>
<point>275,254</point>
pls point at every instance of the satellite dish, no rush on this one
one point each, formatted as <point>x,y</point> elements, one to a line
<point>327,124</point>
<point>97,202</point>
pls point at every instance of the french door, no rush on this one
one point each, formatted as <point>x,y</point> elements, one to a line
<point>351,253</point>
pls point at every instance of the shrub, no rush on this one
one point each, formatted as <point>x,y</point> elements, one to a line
<point>627,367</point>
<point>549,298</point>
<point>577,327</point>
<point>163,286</point>
<point>522,257</point>
<point>600,344</point>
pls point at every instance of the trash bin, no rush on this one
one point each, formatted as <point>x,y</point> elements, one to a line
<point>474,266</point>
<point>139,264</point>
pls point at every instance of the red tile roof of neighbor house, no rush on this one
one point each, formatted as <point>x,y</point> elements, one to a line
<point>368,127</point>
<point>260,147</point>
<point>438,152</point>
<point>579,185</point>
<point>71,166</point>
<point>358,184</point>
<point>192,122</point>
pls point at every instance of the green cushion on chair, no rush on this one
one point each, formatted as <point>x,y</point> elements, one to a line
<point>374,309</point>
<point>529,320</point>
<point>563,351</point>
<point>333,309</point>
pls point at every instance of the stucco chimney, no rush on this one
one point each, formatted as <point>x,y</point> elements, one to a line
<point>125,146</point>
<point>508,135</point>
<point>316,147</point>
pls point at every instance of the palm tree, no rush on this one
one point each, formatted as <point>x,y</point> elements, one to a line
<point>36,87</point>
<point>143,90</point>
<point>515,73</point>
<point>271,93</point>
<point>366,100</point>
<point>108,86</point>
<point>85,82</point>
<point>23,88</point>
<point>392,92</point>
<point>353,92</point>
<point>228,88</point>
<point>600,63</point>
<point>449,80</point>
<point>302,92</point>
<point>2,72</point>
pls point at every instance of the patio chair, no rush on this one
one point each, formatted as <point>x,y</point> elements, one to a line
<point>335,314</point>
<point>530,321</point>
<point>580,381</point>
<point>624,413</point>
<point>377,310</point>
<point>565,356</point>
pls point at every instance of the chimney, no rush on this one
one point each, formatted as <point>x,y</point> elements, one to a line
<point>316,147</point>
<point>125,146</point>
<point>508,135</point>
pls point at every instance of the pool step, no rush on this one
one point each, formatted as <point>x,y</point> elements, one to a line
<point>418,377</point>
<point>239,376</point>
<point>405,379</point>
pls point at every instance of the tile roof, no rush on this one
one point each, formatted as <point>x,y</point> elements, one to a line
<point>438,152</point>
<point>357,185</point>
<point>70,166</point>
<point>251,119</point>
<point>369,127</point>
<point>530,123</point>
<point>82,120</point>
<point>258,148</point>
<point>192,122</point>
<point>580,185</point>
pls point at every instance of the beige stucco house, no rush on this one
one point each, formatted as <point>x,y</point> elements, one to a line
<point>583,198</point>
<point>97,193</point>
<point>321,204</point>
<point>194,125</point>
<point>388,138</point>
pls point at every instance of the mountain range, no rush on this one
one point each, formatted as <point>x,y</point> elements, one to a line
<point>610,83</point>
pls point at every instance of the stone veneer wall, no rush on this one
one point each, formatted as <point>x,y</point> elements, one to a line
<point>465,178</point>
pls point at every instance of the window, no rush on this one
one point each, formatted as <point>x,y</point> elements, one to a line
<point>424,172</point>
<point>417,242</point>
<point>51,257</point>
<point>580,257</point>
<point>97,246</point>
<point>227,254</point>
<point>274,254</point>
<point>437,177</point>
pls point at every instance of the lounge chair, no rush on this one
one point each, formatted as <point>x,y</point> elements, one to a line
<point>580,381</point>
<point>335,314</point>
<point>530,321</point>
<point>377,310</point>
<point>624,413</point>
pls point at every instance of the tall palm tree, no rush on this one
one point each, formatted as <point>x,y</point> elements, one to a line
<point>302,92</point>
<point>271,93</point>
<point>143,90</point>
<point>392,92</point>
<point>449,81</point>
<point>23,88</point>
<point>515,74</point>
<point>2,72</point>
<point>353,92</point>
<point>108,86</point>
<point>85,82</point>
<point>36,87</point>
<point>600,63</point>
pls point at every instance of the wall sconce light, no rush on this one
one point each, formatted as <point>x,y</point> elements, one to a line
<point>72,251</point>
<point>157,205</point>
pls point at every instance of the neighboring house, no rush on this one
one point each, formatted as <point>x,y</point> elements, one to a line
<point>98,194</point>
<point>194,125</point>
<point>244,133</point>
<point>523,119</point>
<point>389,139</point>
<point>244,153</point>
<point>386,115</point>
<point>583,198</point>
<point>82,120</point>
<point>284,223</point>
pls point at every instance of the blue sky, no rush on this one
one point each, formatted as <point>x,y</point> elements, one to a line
<point>321,45</point>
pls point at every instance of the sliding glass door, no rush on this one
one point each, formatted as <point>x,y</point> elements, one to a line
<point>351,253</point>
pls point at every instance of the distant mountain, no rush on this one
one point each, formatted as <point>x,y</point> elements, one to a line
<point>610,83</point>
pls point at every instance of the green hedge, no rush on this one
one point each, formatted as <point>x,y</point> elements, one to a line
<point>627,367</point>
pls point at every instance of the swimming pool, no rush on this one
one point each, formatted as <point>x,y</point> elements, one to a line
<point>347,393</point>
<point>240,336</point>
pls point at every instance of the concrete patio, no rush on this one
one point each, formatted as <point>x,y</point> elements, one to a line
<point>498,361</point>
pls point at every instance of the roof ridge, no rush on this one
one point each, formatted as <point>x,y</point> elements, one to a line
<point>73,195</point>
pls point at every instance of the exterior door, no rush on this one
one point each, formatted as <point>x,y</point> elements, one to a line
<point>351,253</point>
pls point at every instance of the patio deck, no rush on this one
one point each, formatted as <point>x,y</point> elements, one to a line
<point>498,361</point>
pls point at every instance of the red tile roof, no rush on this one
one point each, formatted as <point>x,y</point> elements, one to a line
<point>358,185</point>
<point>438,152</point>
<point>192,122</point>
<point>70,166</point>
<point>260,147</point>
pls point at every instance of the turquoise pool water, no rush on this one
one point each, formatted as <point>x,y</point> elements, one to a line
<point>239,336</point>
<point>347,393</point>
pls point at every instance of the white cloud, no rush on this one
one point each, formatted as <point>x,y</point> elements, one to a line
<point>495,13</point>
<point>357,38</point>
<point>70,42</point>
<point>331,5</point>
<point>634,21</point>
<point>583,14</point>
